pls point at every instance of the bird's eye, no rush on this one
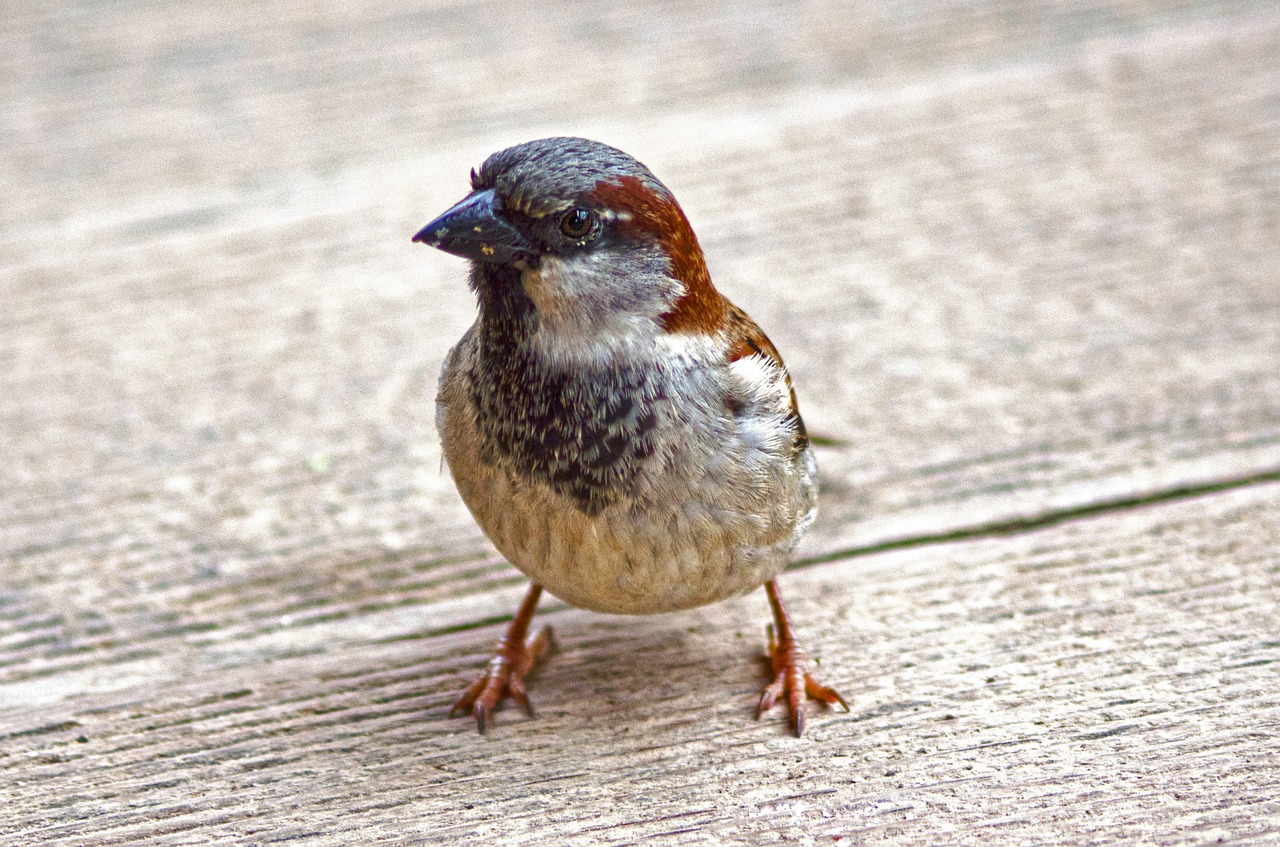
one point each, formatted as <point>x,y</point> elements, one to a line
<point>577,224</point>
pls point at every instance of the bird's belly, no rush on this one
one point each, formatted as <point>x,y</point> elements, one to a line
<point>629,558</point>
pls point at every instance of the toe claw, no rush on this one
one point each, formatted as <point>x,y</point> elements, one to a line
<point>769,697</point>
<point>817,691</point>
<point>517,692</point>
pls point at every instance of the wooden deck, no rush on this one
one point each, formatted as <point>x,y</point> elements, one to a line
<point>1025,267</point>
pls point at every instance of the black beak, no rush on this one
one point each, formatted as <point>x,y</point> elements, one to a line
<point>475,229</point>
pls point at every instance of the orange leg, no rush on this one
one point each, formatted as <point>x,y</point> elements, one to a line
<point>792,678</point>
<point>512,659</point>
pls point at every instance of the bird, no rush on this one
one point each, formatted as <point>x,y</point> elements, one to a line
<point>626,436</point>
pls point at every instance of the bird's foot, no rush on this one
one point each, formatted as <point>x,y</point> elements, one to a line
<point>793,681</point>
<point>512,660</point>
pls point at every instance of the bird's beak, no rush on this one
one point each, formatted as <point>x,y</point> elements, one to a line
<point>475,229</point>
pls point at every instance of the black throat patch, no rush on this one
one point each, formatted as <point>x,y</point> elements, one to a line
<point>582,432</point>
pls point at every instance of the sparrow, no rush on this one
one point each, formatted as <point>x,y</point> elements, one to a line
<point>624,435</point>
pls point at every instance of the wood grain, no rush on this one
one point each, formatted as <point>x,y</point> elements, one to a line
<point>1022,263</point>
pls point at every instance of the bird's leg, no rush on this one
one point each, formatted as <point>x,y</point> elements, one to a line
<point>512,659</point>
<point>792,678</point>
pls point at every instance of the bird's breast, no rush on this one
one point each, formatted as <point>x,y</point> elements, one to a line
<point>631,488</point>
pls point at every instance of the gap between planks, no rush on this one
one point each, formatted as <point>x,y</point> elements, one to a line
<point>1052,517</point>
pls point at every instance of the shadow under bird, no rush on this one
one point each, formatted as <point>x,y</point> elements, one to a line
<point>626,436</point>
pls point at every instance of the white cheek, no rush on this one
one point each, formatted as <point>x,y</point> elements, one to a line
<point>600,293</point>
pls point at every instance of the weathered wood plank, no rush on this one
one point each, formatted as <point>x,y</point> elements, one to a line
<point>1018,262</point>
<point>1104,682</point>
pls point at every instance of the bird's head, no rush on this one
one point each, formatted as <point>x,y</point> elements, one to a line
<point>584,236</point>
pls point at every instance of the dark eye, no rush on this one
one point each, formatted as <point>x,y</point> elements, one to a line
<point>577,224</point>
